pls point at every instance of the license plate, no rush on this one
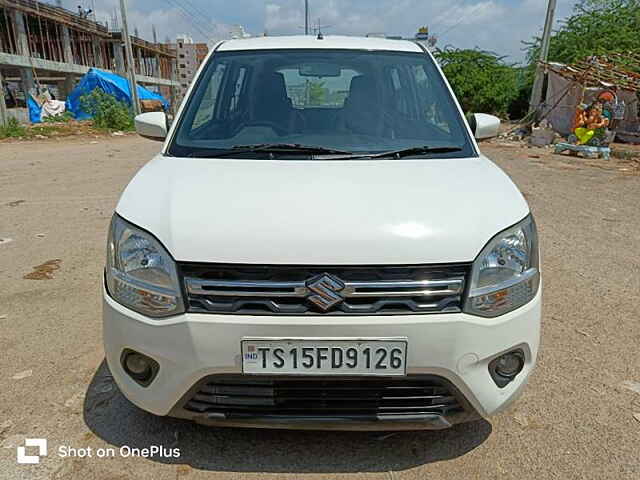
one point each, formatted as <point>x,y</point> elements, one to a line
<point>324,357</point>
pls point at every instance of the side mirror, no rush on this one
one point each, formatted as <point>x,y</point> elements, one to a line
<point>152,125</point>
<point>484,126</point>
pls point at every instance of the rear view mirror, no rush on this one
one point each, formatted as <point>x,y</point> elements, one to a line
<point>484,126</point>
<point>319,70</point>
<point>152,125</point>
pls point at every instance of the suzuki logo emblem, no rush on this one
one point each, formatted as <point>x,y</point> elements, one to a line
<point>325,290</point>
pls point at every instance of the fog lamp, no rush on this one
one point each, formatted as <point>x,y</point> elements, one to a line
<point>506,367</point>
<point>140,368</point>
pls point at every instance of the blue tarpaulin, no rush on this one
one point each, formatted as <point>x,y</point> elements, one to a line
<point>35,110</point>
<point>110,83</point>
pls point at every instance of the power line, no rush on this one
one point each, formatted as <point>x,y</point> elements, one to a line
<point>189,17</point>
<point>473,10</point>
<point>436,20</point>
<point>197,10</point>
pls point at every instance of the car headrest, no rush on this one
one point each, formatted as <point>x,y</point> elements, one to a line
<point>362,89</point>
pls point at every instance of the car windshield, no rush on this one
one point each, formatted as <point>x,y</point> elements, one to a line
<point>309,103</point>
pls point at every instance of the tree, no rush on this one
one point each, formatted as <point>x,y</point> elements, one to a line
<point>317,92</point>
<point>596,27</point>
<point>481,80</point>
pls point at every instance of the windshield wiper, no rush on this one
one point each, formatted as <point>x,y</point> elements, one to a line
<point>404,152</point>
<point>268,148</point>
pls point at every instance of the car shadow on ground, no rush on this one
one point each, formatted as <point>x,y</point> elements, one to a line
<point>110,416</point>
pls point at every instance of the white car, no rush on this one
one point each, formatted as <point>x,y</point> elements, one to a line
<point>320,244</point>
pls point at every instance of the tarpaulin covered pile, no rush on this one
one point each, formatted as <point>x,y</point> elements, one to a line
<point>42,106</point>
<point>110,83</point>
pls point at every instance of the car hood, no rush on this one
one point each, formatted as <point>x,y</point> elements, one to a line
<point>322,212</point>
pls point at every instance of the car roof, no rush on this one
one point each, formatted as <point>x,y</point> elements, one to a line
<point>311,42</point>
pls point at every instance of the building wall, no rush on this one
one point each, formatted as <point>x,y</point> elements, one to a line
<point>189,56</point>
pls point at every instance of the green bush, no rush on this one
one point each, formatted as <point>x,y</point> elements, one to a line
<point>481,80</point>
<point>62,118</point>
<point>107,112</point>
<point>596,27</point>
<point>12,129</point>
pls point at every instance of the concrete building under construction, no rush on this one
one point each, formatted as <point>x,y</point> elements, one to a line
<point>42,44</point>
<point>189,57</point>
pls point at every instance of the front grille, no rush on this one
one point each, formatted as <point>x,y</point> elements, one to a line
<point>237,396</point>
<point>296,290</point>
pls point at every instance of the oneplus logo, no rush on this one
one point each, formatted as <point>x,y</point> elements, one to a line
<point>41,443</point>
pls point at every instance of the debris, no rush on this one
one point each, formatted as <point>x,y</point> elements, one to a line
<point>117,134</point>
<point>542,135</point>
<point>93,143</point>
<point>44,271</point>
<point>521,420</point>
<point>102,394</point>
<point>517,134</point>
<point>582,332</point>
<point>22,375</point>
<point>40,235</point>
<point>13,441</point>
<point>15,203</point>
<point>388,435</point>
<point>183,470</point>
<point>5,426</point>
<point>105,388</point>
<point>74,400</point>
<point>534,156</point>
<point>636,416</point>
<point>631,385</point>
<point>3,317</point>
<point>5,240</point>
<point>583,150</point>
<point>40,137</point>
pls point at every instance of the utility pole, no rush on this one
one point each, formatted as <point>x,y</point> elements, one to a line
<point>536,92</point>
<point>131,68</point>
<point>306,17</point>
<point>4,117</point>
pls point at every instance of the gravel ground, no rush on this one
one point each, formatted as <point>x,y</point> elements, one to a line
<point>575,420</point>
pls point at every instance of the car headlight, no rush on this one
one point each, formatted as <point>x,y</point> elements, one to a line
<point>506,274</point>
<point>140,274</point>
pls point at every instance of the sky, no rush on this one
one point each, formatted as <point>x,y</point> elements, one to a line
<point>499,26</point>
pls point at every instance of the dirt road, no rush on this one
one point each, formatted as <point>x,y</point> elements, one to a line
<point>575,420</point>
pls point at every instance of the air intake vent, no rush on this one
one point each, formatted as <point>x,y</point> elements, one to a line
<point>237,396</point>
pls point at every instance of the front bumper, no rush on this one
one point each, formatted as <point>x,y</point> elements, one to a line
<point>191,347</point>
